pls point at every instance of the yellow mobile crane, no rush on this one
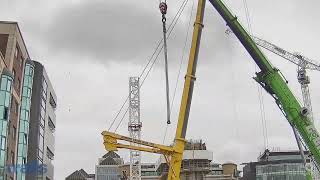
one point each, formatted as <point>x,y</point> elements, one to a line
<point>269,77</point>
<point>173,154</point>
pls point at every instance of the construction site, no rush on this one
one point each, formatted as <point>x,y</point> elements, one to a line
<point>184,159</point>
<point>228,91</point>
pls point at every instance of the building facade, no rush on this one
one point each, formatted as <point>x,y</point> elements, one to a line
<point>13,57</point>
<point>80,175</point>
<point>197,164</point>
<point>42,125</point>
<point>18,91</point>
<point>109,167</point>
<point>284,165</point>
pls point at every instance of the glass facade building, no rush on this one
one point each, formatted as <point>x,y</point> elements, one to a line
<point>277,165</point>
<point>107,173</point>
<point>25,117</point>
<point>27,111</point>
<point>5,103</point>
<point>285,171</point>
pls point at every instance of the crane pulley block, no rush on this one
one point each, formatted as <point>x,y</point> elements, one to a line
<point>163,8</point>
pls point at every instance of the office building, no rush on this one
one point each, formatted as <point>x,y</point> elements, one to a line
<point>197,164</point>
<point>13,55</point>
<point>42,124</point>
<point>148,171</point>
<point>80,175</point>
<point>18,109</point>
<point>109,167</point>
<point>284,165</point>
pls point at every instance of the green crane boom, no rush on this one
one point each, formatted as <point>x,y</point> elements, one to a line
<point>271,80</point>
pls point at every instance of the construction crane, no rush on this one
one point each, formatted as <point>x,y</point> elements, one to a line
<point>269,77</point>
<point>173,154</point>
<point>303,64</point>
<point>134,126</point>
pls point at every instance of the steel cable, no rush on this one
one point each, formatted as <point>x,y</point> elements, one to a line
<point>153,57</point>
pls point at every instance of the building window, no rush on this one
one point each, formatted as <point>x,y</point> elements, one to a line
<point>5,113</point>
<point>21,61</point>
<point>14,75</point>
<point>3,143</point>
<point>50,154</point>
<point>51,125</point>
<point>9,125</point>
<point>12,157</point>
<point>7,152</point>
<point>19,83</point>
<point>52,102</point>
<point>16,52</point>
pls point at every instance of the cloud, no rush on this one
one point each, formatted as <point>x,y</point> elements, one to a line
<point>75,40</point>
<point>105,31</point>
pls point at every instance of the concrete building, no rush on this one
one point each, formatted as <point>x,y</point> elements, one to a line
<point>42,124</point>
<point>13,58</point>
<point>284,165</point>
<point>148,170</point>
<point>18,105</point>
<point>197,164</point>
<point>80,175</point>
<point>109,167</point>
<point>226,171</point>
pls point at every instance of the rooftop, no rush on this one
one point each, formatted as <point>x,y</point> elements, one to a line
<point>15,23</point>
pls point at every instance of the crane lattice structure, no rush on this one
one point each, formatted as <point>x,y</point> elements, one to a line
<point>302,62</point>
<point>134,127</point>
<point>269,77</point>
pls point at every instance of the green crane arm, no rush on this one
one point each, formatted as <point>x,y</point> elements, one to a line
<point>271,80</point>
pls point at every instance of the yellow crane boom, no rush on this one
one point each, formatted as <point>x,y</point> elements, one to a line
<point>174,153</point>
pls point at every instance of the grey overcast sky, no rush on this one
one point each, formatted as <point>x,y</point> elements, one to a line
<point>91,47</point>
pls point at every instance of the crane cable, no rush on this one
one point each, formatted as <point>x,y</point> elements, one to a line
<point>163,9</point>
<point>180,67</point>
<point>260,95</point>
<point>151,61</point>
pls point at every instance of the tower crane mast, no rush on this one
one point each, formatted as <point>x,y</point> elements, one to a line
<point>303,64</point>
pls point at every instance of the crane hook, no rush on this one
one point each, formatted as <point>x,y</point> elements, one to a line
<point>163,9</point>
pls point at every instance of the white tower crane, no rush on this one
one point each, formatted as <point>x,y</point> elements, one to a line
<point>302,62</point>
<point>134,127</point>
